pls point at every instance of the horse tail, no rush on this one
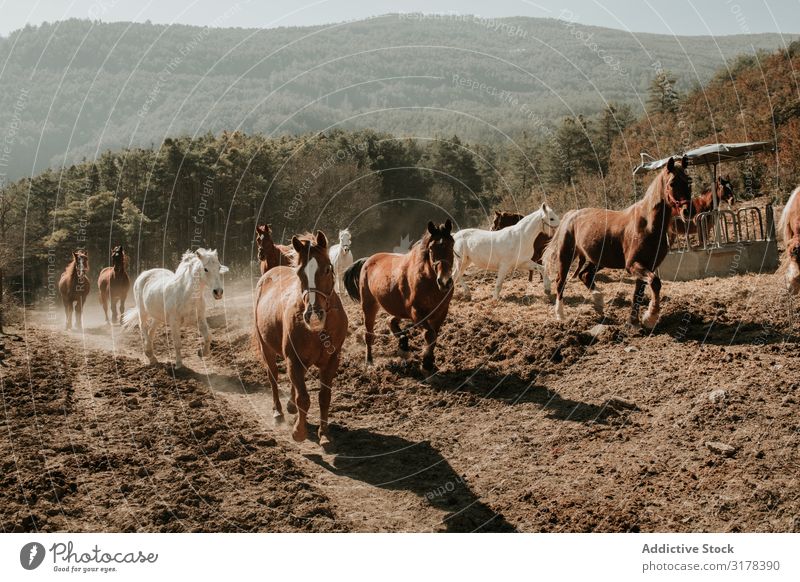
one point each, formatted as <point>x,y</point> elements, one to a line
<point>130,318</point>
<point>561,237</point>
<point>352,279</point>
<point>784,227</point>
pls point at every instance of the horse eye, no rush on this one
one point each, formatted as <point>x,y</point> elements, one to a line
<point>206,270</point>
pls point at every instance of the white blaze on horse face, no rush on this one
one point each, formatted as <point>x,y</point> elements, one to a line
<point>311,277</point>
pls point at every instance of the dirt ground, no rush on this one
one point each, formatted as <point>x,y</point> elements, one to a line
<point>529,425</point>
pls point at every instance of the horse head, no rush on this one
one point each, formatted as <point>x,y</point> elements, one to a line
<point>677,186</point>
<point>725,190</point>
<point>263,240</point>
<point>505,219</point>
<point>316,278</point>
<point>81,259</point>
<point>345,240</point>
<point>550,219</point>
<point>212,269</point>
<point>118,257</point>
<point>438,248</point>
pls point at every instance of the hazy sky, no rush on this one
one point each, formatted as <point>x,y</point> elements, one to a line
<point>692,17</point>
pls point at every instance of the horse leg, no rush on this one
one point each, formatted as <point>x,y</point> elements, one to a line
<point>68,314</point>
<point>502,272</point>
<point>431,333</point>
<point>300,396</point>
<point>646,276</point>
<point>326,377</point>
<point>370,308</point>
<point>202,325</point>
<point>534,266</point>
<point>104,301</point>
<point>463,263</point>
<point>175,329</point>
<point>79,313</point>
<point>269,357</point>
<point>397,331</point>
<point>114,313</point>
<point>587,275</point>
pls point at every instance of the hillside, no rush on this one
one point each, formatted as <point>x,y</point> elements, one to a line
<point>71,89</point>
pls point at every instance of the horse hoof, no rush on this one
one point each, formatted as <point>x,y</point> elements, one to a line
<point>649,320</point>
<point>277,416</point>
<point>291,407</point>
<point>325,442</point>
<point>178,366</point>
<point>403,354</point>
<point>300,433</point>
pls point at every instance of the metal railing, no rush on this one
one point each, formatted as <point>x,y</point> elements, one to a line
<point>717,228</point>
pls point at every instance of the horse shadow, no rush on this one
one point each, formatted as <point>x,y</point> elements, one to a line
<point>394,463</point>
<point>514,389</point>
<point>684,326</point>
<point>222,382</point>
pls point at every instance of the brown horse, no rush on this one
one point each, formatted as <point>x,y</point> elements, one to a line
<point>114,283</point>
<point>505,219</point>
<point>417,286</point>
<point>789,227</point>
<point>299,316</point>
<point>271,255</point>
<point>686,221</point>
<point>74,287</point>
<point>634,239</point>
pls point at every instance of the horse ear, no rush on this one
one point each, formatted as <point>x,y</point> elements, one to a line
<point>448,226</point>
<point>322,240</point>
<point>685,162</point>
<point>543,207</point>
<point>497,213</point>
<point>432,228</point>
<point>261,228</point>
<point>298,246</point>
<point>671,165</point>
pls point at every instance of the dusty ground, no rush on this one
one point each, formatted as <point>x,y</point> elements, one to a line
<point>520,429</point>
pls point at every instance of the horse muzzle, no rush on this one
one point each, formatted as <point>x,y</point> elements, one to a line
<point>444,283</point>
<point>314,319</point>
<point>217,293</point>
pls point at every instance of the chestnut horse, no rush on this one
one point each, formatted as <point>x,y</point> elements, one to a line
<point>789,226</point>
<point>505,219</point>
<point>299,316</point>
<point>686,221</point>
<point>417,285</point>
<point>269,254</point>
<point>634,239</point>
<point>74,287</point>
<point>114,283</point>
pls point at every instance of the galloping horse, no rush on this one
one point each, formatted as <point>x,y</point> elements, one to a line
<point>114,283</point>
<point>686,221</point>
<point>341,258</point>
<point>300,317</point>
<point>74,287</point>
<point>417,285</point>
<point>165,297</point>
<point>634,239</point>
<point>269,254</point>
<point>505,219</point>
<point>503,250</point>
<point>789,226</point>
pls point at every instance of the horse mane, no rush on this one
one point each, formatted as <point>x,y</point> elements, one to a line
<point>188,257</point>
<point>783,223</point>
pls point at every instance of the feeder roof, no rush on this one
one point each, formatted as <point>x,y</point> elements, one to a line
<point>713,153</point>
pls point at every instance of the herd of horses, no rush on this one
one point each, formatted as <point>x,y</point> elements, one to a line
<point>300,317</point>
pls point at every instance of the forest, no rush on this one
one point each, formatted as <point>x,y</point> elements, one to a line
<point>212,189</point>
<point>75,88</point>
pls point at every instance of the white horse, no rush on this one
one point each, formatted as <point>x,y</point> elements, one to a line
<point>165,297</point>
<point>341,258</point>
<point>503,250</point>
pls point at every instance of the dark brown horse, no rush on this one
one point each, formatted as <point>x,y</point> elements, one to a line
<point>417,286</point>
<point>269,254</point>
<point>789,227</point>
<point>505,219</point>
<point>634,239</point>
<point>114,283</point>
<point>74,287</point>
<point>300,317</point>
<point>686,222</point>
